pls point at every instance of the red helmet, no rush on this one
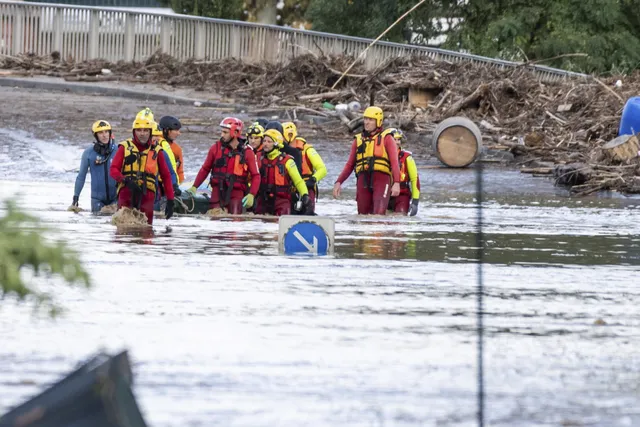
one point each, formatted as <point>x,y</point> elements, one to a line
<point>234,125</point>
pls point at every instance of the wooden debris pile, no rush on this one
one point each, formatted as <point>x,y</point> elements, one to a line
<point>548,124</point>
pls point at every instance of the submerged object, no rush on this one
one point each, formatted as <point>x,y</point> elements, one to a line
<point>188,204</point>
<point>98,394</point>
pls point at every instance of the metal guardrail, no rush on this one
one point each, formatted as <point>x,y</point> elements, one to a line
<point>85,32</point>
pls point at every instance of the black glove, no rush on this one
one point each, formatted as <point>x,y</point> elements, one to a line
<point>177,191</point>
<point>132,185</point>
<point>306,204</point>
<point>168,210</point>
<point>311,182</point>
<point>75,201</point>
<point>413,209</point>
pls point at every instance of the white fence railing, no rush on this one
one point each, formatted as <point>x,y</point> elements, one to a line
<point>82,33</point>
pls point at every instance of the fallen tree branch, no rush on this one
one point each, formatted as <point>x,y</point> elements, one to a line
<point>480,92</point>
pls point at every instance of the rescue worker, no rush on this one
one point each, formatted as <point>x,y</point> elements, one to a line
<point>97,160</point>
<point>145,113</point>
<point>374,158</point>
<point>170,127</point>
<point>313,168</point>
<point>232,165</point>
<point>136,166</point>
<point>278,174</point>
<point>255,133</point>
<point>295,154</point>
<point>409,197</point>
<point>156,137</point>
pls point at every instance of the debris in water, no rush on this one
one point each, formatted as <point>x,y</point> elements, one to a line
<point>109,209</point>
<point>599,322</point>
<point>126,217</point>
<point>216,212</point>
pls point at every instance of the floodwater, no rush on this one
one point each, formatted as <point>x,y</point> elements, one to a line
<point>224,331</point>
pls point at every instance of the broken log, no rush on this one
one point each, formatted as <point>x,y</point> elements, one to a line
<point>622,148</point>
<point>537,171</point>
<point>324,95</point>
<point>480,92</point>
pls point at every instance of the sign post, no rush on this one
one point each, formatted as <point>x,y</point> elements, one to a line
<point>306,235</point>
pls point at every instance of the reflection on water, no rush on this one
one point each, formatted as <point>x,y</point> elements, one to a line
<point>499,248</point>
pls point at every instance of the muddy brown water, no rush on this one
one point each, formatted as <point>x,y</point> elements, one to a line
<point>224,331</point>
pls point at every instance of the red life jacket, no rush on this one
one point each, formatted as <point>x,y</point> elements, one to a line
<point>405,181</point>
<point>230,166</point>
<point>274,178</point>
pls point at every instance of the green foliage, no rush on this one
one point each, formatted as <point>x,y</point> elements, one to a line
<point>545,31</point>
<point>361,18</point>
<point>22,245</point>
<point>293,12</point>
<point>365,18</point>
<point>606,30</point>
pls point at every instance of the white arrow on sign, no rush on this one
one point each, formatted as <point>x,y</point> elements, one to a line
<point>312,248</point>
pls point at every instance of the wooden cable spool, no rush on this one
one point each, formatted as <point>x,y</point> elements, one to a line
<point>457,142</point>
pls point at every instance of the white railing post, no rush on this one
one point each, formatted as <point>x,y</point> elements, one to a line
<point>165,34</point>
<point>94,32</point>
<point>129,35</point>
<point>18,31</point>
<point>370,60</point>
<point>57,30</point>
<point>198,52</point>
<point>235,42</point>
<point>231,39</point>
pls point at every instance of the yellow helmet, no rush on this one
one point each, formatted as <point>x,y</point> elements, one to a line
<point>100,125</point>
<point>143,123</point>
<point>255,130</point>
<point>374,113</point>
<point>275,136</point>
<point>398,135</point>
<point>145,113</point>
<point>289,131</point>
<point>155,131</point>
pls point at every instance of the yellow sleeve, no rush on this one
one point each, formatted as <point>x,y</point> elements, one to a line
<point>166,147</point>
<point>295,177</point>
<point>413,177</point>
<point>319,169</point>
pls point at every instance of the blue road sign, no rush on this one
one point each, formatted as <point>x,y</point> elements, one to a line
<point>306,238</point>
